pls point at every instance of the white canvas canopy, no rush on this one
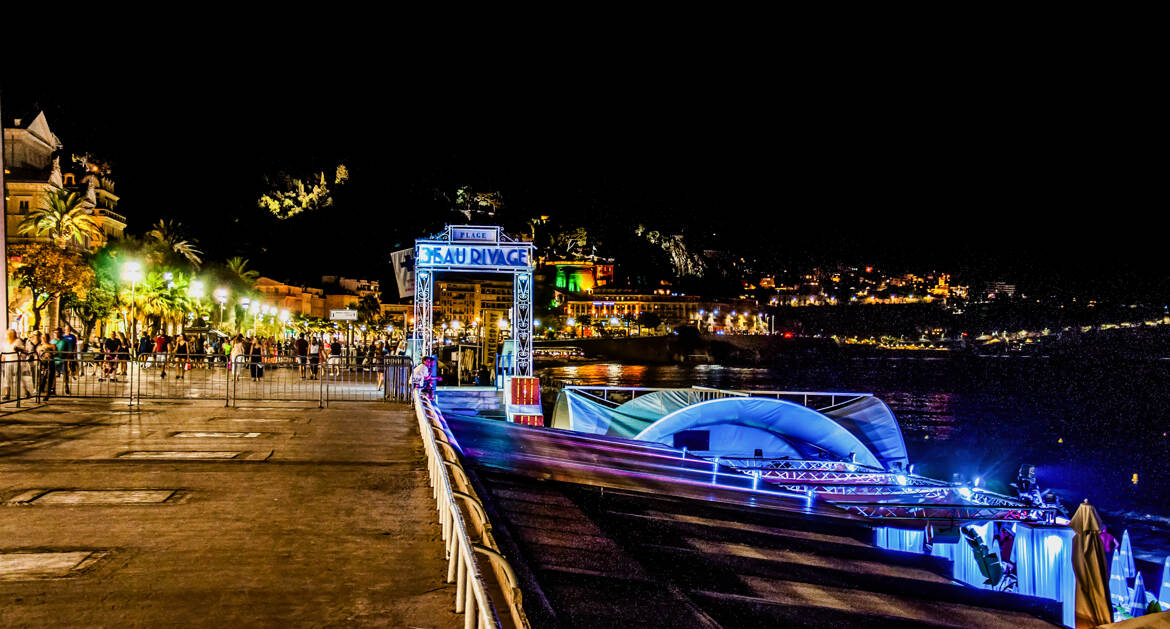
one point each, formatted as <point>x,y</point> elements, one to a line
<point>736,425</point>
<point>871,421</point>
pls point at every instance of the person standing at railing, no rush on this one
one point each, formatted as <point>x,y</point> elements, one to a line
<point>256,360</point>
<point>422,378</point>
<point>143,349</point>
<point>47,353</point>
<point>72,355</point>
<point>161,345</point>
<point>123,353</point>
<point>182,356</point>
<point>236,356</point>
<point>110,365</point>
<point>314,357</point>
<point>15,357</point>
<point>60,364</point>
<point>335,357</point>
<point>302,351</point>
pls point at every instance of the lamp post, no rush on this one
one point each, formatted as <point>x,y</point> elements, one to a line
<point>132,271</point>
<point>221,296</point>
<point>244,303</point>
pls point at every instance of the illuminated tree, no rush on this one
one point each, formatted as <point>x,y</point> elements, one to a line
<point>48,272</point>
<point>289,196</point>
<point>239,267</point>
<point>170,235</point>
<point>64,217</point>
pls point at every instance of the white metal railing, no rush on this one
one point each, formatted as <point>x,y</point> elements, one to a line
<point>804,398</point>
<point>451,486</point>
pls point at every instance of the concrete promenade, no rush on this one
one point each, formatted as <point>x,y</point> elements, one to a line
<point>268,514</point>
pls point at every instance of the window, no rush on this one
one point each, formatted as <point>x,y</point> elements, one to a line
<point>22,206</point>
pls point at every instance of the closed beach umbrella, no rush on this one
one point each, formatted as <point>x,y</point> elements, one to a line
<point>1127,556</point>
<point>1117,584</point>
<point>1164,591</point>
<point>1137,606</point>
<point>1088,559</point>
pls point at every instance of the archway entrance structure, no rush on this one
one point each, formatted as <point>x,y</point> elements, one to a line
<point>475,249</point>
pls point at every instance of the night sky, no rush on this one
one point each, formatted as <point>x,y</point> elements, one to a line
<point>1035,173</point>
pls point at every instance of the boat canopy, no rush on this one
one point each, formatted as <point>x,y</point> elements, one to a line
<point>734,426</point>
<point>871,421</point>
<point>575,411</point>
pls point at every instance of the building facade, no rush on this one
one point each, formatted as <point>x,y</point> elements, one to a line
<point>32,164</point>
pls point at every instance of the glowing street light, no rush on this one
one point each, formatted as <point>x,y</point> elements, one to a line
<point>195,289</point>
<point>221,295</point>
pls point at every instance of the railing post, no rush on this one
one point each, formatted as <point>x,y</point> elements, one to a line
<point>227,383</point>
<point>321,385</point>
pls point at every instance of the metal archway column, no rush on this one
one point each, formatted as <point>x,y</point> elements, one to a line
<point>522,307</point>
<point>423,325</point>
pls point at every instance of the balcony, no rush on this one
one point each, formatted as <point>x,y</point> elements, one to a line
<point>109,214</point>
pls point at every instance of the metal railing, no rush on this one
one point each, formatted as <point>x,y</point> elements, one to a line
<point>451,486</point>
<point>18,377</point>
<point>615,395</point>
<point>27,377</point>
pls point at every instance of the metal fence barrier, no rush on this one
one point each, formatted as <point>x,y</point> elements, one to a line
<point>18,377</point>
<point>26,377</point>
<point>450,487</point>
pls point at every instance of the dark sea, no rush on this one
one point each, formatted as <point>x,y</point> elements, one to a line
<point>1095,430</point>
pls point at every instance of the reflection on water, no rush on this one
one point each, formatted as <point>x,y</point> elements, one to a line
<point>1087,427</point>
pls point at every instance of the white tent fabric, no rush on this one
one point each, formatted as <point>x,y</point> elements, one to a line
<point>964,567</point>
<point>1044,565</point>
<point>575,411</point>
<point>806,429</point>
<point>871,421</point>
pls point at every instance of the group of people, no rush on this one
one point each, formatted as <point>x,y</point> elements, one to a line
<point>61,356</point>
<point>51,351</point>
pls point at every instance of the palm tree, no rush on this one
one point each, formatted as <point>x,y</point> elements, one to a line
<point>64,217</point>
<point>239,267</point>
<point>170,235</point>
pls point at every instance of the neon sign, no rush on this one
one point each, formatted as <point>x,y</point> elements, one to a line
<point>501,255</point>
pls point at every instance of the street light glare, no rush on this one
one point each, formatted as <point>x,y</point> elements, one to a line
<point>132,271</point>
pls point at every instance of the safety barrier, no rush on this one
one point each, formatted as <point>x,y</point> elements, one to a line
<point>26,377</point>
<point>451,486</point>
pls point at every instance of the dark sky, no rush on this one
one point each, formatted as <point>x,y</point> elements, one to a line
<point>1035,170</point>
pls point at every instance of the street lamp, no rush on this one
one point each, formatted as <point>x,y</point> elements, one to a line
<point>132,272</point>
<point>221,295</point>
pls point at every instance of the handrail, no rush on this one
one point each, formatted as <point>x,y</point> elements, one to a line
<point>471,597</point>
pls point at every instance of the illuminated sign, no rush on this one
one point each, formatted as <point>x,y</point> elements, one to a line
<point>477,234</point>
<point>501,255</point>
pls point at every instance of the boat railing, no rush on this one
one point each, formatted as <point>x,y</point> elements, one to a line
<point>614,395</point>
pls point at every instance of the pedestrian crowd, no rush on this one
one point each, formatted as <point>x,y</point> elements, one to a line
<point>38,362</point>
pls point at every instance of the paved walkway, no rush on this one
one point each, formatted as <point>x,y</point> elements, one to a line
<point>318,518</point>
